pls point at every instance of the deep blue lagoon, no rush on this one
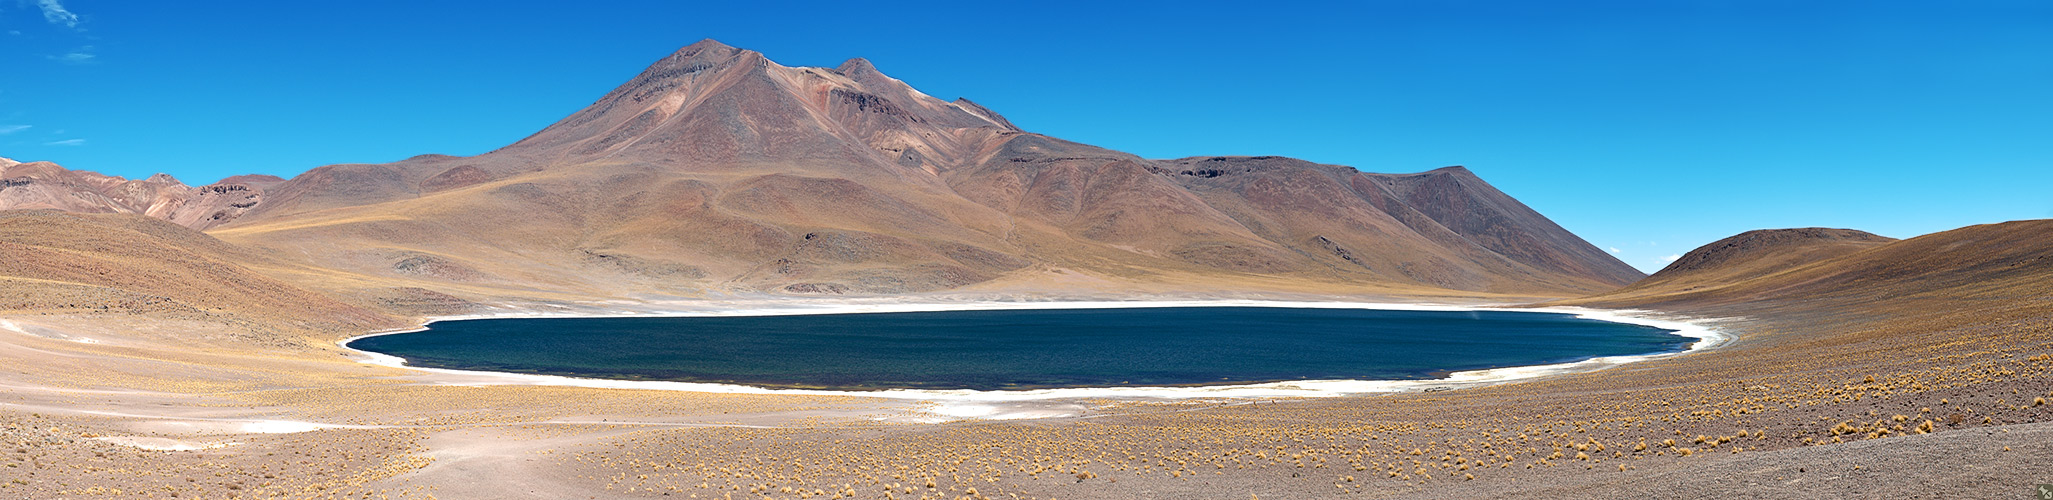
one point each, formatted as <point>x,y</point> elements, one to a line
<point>1025,349</point>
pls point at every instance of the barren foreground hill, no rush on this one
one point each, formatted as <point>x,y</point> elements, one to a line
<point>124,264</point>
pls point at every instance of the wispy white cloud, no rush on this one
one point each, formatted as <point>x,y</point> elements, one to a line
<point>66,142</point>
<point>82,55</point>
<point>1615,250</point>
<point>9,129</point>
<point>1671,257</point>
<point>55,13</point>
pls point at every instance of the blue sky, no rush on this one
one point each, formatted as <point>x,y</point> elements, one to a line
<point>1646,127</point>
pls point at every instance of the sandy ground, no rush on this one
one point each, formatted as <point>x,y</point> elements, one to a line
<point>1975,463</point>
<point>134,407</point>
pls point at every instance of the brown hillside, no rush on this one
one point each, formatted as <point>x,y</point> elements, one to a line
<point>1766,251</point>
<point>64,263</point>
<point>2007,260</point>
<point>1746,256</point>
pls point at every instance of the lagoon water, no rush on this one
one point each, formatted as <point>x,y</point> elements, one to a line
<point>1025,349</point>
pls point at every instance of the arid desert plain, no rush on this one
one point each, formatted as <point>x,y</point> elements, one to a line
<point>159,340</point>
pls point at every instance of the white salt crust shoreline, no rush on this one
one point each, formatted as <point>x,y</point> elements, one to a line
<point>966,403</point>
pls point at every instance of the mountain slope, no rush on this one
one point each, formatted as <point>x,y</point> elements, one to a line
<point>130,264</point>
<point>2006,260</point>
<point>1476,226</point>
<point>1747,256</point>
<point>716,170</point>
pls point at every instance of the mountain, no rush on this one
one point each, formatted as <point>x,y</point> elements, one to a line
<point>716,170</point>
<point>1820,267</point>
<point>47,185</point>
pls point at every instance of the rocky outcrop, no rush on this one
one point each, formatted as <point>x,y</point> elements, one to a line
<point>47,185</point>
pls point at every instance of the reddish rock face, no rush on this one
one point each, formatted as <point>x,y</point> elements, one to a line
<point>45,185</point>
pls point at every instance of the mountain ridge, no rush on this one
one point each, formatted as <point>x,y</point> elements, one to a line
<point>46,185</point>
<point>716,170</point>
